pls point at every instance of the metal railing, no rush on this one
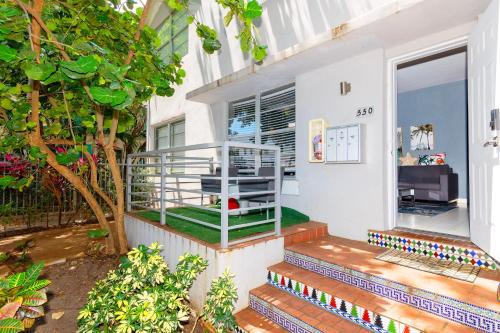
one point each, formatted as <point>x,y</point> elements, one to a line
<point>192,176</point>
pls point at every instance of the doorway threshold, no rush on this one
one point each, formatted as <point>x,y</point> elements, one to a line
<point>431,233</point>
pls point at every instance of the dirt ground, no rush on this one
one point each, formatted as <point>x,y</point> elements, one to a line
<point>51,246</point>
<point>71,281</point>
<point>72,272</point>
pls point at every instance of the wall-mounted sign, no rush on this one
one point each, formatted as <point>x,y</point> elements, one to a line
<point>365,111</point>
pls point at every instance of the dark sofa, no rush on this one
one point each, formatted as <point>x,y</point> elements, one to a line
<point>430,182</point>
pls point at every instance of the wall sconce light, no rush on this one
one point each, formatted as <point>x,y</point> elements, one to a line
<point>345,88</point>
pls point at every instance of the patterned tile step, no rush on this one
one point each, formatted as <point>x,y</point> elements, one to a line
<point>470,315</point>
<point>345,301</point>
<point>438,247</point>
<point>296,315</point>
<point>250,321</point>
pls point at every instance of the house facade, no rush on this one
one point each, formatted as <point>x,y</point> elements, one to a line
<point>314,48</point>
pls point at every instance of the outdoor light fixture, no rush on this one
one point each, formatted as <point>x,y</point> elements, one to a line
<point>345,88</point>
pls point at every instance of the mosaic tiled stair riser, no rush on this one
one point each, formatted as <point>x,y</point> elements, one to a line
<point>340,307</point>
<point>467,314</point>
<point>432,249</point>
<point>283,319</point>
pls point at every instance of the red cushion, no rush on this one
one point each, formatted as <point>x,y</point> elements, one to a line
<point>233,203</point>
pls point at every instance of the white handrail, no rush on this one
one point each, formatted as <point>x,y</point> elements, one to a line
<point>146,191</point>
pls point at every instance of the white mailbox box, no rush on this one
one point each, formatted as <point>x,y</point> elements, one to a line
<point>343,144</point>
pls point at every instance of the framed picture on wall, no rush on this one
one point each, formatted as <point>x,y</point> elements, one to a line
<point>422,137</point>
<point>316,140</point>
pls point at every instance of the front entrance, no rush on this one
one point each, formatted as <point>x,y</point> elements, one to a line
<point>432,139</point>
<point>482,142</point>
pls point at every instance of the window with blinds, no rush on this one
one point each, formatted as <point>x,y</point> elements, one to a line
<point>273,123</point>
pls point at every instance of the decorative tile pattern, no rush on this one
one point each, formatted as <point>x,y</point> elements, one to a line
<point>431,265</point>
<point>340,307</point>
<point>285,320</point>
<point>428,248</point>
<point>464,313</point>
<point>238,329</point>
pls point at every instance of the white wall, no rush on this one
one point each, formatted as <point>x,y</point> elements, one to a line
<point>348,197</point>
<point>249,274</point>
<point>284,23</point>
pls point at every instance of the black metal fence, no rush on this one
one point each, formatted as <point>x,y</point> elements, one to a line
<point>42,205</point>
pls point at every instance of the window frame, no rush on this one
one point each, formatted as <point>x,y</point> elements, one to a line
<point>172,35</point>
<point>170,126</point>
<point>290,172</point>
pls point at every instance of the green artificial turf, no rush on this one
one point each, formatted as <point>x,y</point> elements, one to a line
<point>289,217</point>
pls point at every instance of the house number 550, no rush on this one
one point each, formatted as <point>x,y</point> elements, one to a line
<point>365,111</point>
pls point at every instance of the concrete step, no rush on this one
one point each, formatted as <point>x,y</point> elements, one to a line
<point>342,299</point>
<point>296,315</point>
<point>453,249</point>
<point>353,263</point>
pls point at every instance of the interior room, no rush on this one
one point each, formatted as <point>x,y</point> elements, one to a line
<point>432,144</point>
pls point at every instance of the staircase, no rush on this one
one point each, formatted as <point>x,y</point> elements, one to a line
<point>331,284</point>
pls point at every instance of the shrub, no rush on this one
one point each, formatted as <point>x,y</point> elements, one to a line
<point>22,296</point>
<point>219,305</point>
<point>141,295</point>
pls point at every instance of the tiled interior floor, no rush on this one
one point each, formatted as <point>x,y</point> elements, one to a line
<point>454,222</point>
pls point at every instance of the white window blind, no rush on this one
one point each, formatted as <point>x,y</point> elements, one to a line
<point>272,123</point>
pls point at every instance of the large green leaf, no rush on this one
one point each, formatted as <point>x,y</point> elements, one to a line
<point>17,280</point>
<point>33,272</point>
<point>7,53</point>
<point>35,299</point>
<point>11,325</point>
<point>37,285</point>
<point>6,12</point>
<point>75,75</point>
<point>6,181</point>
<point>259,52</point>
<point>39,72</point>
<point>97,233</point>
<point>108,96</point>
<point>67,158</point>
<point>83,65</point>
<point>252,10</point>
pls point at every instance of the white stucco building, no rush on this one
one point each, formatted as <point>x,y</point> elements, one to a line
<point>313,46</point>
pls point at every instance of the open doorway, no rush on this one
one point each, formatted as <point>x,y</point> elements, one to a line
<point>432,144</point>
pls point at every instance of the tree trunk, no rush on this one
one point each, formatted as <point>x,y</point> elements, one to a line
<point>120,198</point>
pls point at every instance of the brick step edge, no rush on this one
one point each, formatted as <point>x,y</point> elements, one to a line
<point>338,306</point>
<point>470,315</point>
<point>280,317</point>
<point>428,248</point>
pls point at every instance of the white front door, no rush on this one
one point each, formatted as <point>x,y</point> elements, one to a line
<point>484,166</point>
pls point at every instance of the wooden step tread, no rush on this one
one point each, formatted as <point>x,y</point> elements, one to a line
<point>252,322</point>
<point>309,317</point>
<point>402,315</point>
